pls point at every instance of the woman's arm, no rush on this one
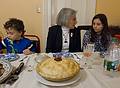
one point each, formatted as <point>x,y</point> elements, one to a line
<point>50,40</point>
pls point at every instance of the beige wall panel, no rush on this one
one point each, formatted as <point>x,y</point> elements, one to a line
<point>25,10</point>
<point>111,8</point>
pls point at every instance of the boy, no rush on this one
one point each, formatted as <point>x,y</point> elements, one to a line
<point>15,42</point>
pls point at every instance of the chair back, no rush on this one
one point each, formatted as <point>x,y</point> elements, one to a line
<point>83,29</point>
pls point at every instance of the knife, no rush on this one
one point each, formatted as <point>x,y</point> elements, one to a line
<point>18,69</point>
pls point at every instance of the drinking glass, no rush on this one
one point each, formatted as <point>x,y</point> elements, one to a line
<point>88,52</point>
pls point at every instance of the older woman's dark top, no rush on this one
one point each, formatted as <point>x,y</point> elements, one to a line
<point>54,40</point>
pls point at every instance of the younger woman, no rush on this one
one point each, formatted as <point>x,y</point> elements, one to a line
<point>99,34</point>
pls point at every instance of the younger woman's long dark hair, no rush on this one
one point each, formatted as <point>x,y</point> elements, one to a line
<point>104,33</point>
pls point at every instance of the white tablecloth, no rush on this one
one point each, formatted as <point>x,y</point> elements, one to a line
<point>90,78</point>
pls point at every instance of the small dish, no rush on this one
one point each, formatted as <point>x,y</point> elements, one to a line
<point>11,57</point>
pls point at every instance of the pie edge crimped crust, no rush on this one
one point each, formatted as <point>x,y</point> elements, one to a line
<point>71,72</point>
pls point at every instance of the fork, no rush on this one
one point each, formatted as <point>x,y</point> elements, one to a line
<point>77,56</point>
<point>23,59</point>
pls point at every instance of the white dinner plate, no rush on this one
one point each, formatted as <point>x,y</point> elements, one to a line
<point>50,83</point>
<point>8,69</point>
<point>11,57</point>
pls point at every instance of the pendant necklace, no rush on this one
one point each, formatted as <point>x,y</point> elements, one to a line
<point>65,36</point>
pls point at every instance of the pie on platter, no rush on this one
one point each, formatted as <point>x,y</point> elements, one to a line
<point>58,69</point>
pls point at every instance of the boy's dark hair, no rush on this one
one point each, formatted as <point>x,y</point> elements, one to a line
<point>15,23</point>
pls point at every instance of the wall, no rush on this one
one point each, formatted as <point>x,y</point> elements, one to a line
<point>25,10</point>
<point>111,9</point>
<point>85,9</point>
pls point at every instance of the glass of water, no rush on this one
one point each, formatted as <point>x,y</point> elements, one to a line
<point>88,52</point>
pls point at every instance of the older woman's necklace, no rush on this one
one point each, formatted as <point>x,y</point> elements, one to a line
<point>65,36</point>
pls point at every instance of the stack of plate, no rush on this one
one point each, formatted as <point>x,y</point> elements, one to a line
<point>8,69</point>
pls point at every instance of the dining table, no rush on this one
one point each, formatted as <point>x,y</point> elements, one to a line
<point>93,77</point>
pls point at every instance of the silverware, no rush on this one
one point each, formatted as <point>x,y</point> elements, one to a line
<point>77,56</point>
<point>30,46</point>
<point>23,59</point>
<point>19,69</point>
<point>81,68</point>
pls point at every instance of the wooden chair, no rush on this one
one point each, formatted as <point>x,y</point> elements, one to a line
<point>83,29</point>
<point>1,47</point>
<point>114,30</point>
<point>35,40</point>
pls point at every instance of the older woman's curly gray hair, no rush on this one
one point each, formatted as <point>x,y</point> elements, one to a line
<point>64,15</point>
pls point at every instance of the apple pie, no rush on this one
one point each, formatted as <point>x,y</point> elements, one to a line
<point>58,69</point>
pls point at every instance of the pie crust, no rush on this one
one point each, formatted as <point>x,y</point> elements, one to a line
<point>58,69</point>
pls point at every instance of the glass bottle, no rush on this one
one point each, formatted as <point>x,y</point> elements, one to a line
<point>112,56</point>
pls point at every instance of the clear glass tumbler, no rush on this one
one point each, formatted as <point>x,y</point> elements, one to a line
<point>88,52</point>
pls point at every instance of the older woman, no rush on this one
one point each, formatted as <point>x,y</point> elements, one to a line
<point>64,36</point>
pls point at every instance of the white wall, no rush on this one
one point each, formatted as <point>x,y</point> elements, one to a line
<point>85,9</point>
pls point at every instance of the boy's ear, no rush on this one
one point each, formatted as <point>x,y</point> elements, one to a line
<point>23,32</point>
